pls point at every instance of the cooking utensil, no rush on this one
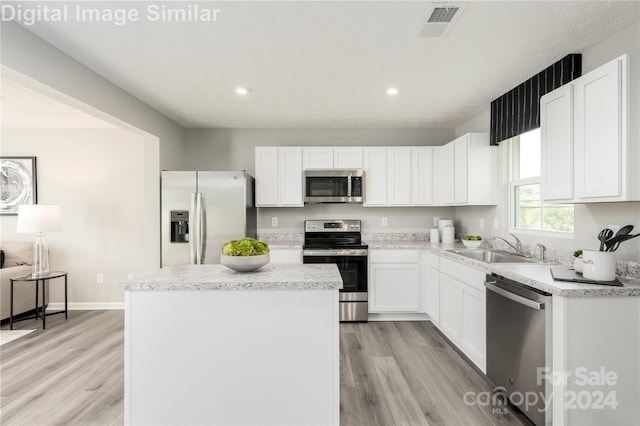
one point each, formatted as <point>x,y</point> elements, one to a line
<point>625,230</point>
<point>620,239</point>
<point>603,236</point>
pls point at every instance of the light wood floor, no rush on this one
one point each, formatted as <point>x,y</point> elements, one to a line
<point>392,373</point>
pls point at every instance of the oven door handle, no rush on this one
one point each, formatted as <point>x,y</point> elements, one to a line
<point>512,296</point>
<point>335,252</point>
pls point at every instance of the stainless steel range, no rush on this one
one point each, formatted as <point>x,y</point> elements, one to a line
<point>340,242</point>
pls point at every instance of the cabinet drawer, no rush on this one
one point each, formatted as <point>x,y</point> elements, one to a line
<point>393,256</point>
<point>464,274</point>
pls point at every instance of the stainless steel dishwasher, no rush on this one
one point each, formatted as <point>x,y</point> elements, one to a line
<point>519,343</point>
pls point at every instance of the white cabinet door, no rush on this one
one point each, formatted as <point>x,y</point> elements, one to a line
<point>599,109</point>
<point>393,287</point>
<point>399,176</point>
<point>347,158</point>
<point>266,176</point>
<point>375,168</point>
<point>450,307</point>
<point>422,176</point>
<point>285,255</point>
<point>317,158</point>
<point>461,169</point>
<point>290,176</point>
<point>556,138</point>
<point>473,330</point>
<point>444,157</point>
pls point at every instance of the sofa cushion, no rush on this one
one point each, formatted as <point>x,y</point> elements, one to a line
<point>17,253</point>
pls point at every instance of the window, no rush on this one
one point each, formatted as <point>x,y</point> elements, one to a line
<point>529,212</point>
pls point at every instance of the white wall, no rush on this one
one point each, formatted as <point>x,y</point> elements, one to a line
<point>233,149</point>
<point>589,218</point>
<point>97,176</point>
<point>70,81</point>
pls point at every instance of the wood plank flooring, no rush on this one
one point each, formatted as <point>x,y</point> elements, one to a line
<point>392,373</point>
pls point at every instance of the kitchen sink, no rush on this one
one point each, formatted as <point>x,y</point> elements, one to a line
<point>493,256</point>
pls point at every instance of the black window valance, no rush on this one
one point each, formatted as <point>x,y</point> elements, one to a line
<point>518,110</point>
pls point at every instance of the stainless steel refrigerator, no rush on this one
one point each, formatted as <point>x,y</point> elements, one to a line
<point>201,211</point>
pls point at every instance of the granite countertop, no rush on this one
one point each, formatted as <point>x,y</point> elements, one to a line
<point>536,275</point>
<point>219,277</point>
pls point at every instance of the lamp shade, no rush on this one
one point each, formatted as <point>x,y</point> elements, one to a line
<point>38,218</point>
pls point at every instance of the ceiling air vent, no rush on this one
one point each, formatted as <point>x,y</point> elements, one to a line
<point>440,18</point>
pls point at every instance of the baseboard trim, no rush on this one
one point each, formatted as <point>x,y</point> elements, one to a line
<point>104,306</point>
<point>399,317</point>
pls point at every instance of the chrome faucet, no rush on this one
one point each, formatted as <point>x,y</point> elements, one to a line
<point>543,251</point>
<point>518,247</point>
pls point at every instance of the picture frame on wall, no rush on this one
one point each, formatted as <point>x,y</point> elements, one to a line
<point>17,183</point>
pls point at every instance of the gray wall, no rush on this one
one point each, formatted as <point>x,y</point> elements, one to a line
<point>589,218</point>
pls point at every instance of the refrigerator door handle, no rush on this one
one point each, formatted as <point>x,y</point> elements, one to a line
<point>200,229</point>
<point>193,237</point>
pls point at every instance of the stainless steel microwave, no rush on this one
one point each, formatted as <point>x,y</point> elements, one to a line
<point>333,186</point>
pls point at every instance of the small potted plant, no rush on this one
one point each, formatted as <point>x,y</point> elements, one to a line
<point>577,262</point>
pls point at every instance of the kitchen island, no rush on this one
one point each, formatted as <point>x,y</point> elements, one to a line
<point>207,345</point>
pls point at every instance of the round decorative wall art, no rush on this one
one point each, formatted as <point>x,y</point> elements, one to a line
<point>17,183</point>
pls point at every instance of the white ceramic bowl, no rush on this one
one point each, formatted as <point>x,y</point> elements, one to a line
<point>244,263</point>
<point>472,244</point>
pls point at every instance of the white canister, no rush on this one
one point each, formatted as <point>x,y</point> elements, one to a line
<point>445,223</point>
<point>434,235</point>
<point>448,235</point>
<point>599,265</point>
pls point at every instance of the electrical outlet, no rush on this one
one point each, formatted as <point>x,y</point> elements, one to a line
<point>614,228</point>
<point>385,221</point>
<point>436,221</point>
<point>481,224</point>
<point>274,222</point>
<point>130,276</point>
<point>496,224</point>
<point>100,279</point>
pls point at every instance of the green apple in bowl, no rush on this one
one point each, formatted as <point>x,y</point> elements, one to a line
<point>472,241</point>
<point>245,255</point>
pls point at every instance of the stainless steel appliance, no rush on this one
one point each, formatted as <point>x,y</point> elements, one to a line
<point>519,344</point>
<point>333,186</point>
<point>340,242</point>
<point>203,210</point>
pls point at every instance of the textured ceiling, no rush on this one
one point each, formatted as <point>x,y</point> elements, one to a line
<point>23,107</point>
<point>328,64</point>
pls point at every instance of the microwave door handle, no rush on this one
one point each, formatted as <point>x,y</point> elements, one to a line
<point>348,186</point>
<point>193,237</point>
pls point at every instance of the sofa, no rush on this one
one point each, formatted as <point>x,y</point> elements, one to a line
<point>18,259</point>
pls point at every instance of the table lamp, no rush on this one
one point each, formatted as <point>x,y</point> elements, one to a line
<point>38,219</point>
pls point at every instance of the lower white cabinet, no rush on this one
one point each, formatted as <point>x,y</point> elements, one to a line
<point>393,281</point>
<point>430,285</point>
<point>285,255</point>
<point>460,314</point>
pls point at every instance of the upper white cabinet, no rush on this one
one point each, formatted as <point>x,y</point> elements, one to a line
<point>590,149</point>
<point>444,176</point>
<point>556,139</point>
<point>347,158</point>
<point>465,171</point>
<point>375,176</point>
<point>606,152</point>
<point>475,173</point>
<point>399,176</point>
<point>422,176</point>
<point>278,177</point>
<point>331,158</point>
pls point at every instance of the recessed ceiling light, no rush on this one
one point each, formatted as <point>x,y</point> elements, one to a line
<point>242,91</point>
<point>392,91</point>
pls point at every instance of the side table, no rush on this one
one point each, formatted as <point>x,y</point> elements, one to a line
<point>42,279</point>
